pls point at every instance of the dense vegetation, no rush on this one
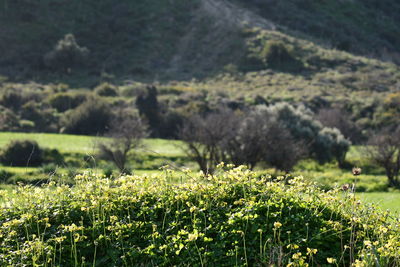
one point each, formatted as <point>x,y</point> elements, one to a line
<point>241,53</point>
<point>306,86</point>
<point>233,218</point>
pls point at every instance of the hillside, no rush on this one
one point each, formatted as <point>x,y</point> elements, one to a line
<point>322,53</point>
<point>174,40</point>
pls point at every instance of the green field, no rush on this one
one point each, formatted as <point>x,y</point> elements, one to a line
<point>164,152</point>
<point>86,144</point>
<point>385,200</point>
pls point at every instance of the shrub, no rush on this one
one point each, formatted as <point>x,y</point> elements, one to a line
<point>324,143</point>
<point>49,169</point>
<point>4,176</point>
<point>66,54</point>
<point>148,106</point>
<point>8,120</point>
<point>91,117</point>
<point>22,153</point>
<point>43,118</point>
<point>65,101</point>
<point>106,89</point>
<point>53,156</point>
<point>230,219</point>
<point>277,54</point>
<point>12,99</point>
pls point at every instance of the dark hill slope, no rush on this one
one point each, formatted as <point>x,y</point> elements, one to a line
<point>364,27</point>
<point>206,39</point>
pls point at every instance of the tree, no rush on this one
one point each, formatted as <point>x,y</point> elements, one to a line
<point>148,107</point>
<point>337,118</point>
<point>282,151</point>
<point>125,135</point>
<point>246,141</point>
<point>66,54</point>
<point>240,138</point>
<point>203,137</point>
<point>384,149</point>
<point>324,143</point>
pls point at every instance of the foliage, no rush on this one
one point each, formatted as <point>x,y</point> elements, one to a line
<point>91,117</point>
<point>340,119</point>
<point>384,150</point>
<point>4,176</point>
<point>228,219</point>
<point>52,156</point>
<point>65,101</point>
<point>43,118</point>
<point>106,89</point>
<point>66,54</point>
<point>125,135</point>
<point>276,55</point>
<point>8,120</point>
<point>22,153</point>
<point>204,138</point>
<point>147,104</point>
<point>324,143</point>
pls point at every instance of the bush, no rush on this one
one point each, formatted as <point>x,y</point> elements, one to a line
<point>4,176</point>
<point>324,143</point>
<point>49,169</point>
<point>276,54</point>
<point>66,54</point>
<point>53,156</point>
<point>42,117</point>
<point>91,118</point>
<point>230,219</point>
<point>8,120</point>
<point>65,101</point>
<point>106,89</point>
<point>22,153</point>
<point>12,99</point>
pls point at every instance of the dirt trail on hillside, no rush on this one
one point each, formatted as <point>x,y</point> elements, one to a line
<point>222,19</point>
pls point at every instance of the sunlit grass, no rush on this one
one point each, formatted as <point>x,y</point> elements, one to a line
<point>385,200</point>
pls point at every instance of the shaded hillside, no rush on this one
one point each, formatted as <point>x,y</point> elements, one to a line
<point>364,27</point>
<point>124,38</point>
<point>207,39</point>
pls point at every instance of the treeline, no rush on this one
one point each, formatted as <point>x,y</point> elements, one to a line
<point>278,135</point>
<point>58,108</point>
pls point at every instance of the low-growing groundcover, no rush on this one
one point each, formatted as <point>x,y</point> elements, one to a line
<point>234,218</point>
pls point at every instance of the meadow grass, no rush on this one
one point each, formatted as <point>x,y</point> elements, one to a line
<point>87,144</point>
<point>62,142</point>
<point>385,200</point>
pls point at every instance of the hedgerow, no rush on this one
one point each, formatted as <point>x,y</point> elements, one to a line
<point>233,218</point>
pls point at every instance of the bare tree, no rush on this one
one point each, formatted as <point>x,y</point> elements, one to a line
<point>241,139</point>
<point>125,135</point>
<point>384,150</point>
<point>282,151</point>
<point>340,119</point>
<point>203,137</point>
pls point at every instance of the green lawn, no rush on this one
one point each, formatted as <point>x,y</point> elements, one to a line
<point>62,142</point>
<point>387,201</point>
<point>87,144</point>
